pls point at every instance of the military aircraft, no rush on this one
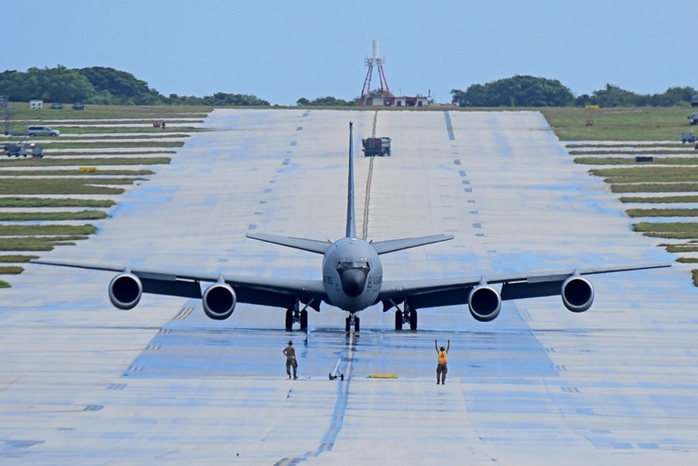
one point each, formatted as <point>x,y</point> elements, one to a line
<point>352,280</point>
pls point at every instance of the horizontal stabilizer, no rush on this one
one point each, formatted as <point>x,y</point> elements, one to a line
<point>384,247</point>
<point>310,245</point>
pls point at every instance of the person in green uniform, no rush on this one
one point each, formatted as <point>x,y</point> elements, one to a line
<point>290,353</point>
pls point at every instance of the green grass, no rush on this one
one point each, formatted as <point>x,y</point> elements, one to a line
<point>22,111</point>
<point>673,230</point>
<point>14,258</point>
<point>10,270</point>
<point>662,212</point>
<point>4,284</point>
<point>661,199</point>
<point>57,161</point>
<point>51,216</point>
<point>75,172</point>
<point>653,174</point>
<point>619,124</point>
<point>51,202</point>
<point>655,188</point>
<point>36,230</point>
<point>92,185</point>
<point>109,145</point>
<point>630,160</point>
<point>37,243</point>
<point>680,248</point>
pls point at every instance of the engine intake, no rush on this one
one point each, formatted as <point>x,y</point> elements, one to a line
<point>125,291</point>
<point>484,303</point>
<point>577,294</point>
<point>219,301</point>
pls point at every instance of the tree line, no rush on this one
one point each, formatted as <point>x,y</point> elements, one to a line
<point>102,85</point>
<point>529,91</point>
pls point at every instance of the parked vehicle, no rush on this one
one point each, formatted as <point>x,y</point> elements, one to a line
<point>376,146</point>
<point>41,131</point>
<point>688,137</point>
<point>693,118</point>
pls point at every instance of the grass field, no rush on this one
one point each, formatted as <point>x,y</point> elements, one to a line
<point>619,124</point>
<point>675,173</point>
<point>33,183</point>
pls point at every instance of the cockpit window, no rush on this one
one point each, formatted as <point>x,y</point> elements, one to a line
<point>345,264</point>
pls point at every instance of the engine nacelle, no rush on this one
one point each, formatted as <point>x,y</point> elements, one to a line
<point>484,303</point>
<point>125,291</point>
<point>219,301</point>
<point>577,294</point>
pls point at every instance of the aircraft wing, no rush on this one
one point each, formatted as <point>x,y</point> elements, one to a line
<point>453,291</point>
<point>276,292</point>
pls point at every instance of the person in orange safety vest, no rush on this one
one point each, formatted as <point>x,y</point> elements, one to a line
<point>442,366</point>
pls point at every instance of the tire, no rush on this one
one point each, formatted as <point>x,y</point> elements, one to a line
<point>413,319</point>
<point>398,320</point>
<point>31,135</point>
<point>357,325</point>
<point>304,320</point>
<point>347,325</point>
<point>289,320</point>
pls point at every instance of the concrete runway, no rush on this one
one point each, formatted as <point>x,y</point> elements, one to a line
<point>83,383</point>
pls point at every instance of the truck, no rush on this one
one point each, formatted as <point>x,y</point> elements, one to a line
<point>376,146</point>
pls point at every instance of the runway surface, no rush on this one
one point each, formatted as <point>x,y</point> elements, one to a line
<point>83,383</point>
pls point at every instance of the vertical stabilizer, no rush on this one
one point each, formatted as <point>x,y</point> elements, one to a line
<point>351,217</point>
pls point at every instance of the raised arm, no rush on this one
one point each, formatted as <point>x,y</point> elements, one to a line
<point>448,347</point>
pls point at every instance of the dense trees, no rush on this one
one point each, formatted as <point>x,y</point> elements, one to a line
<point>529,91</point>
<point>100,85</point>
<point>519,91</point>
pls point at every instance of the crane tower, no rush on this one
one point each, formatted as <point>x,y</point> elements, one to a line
<point>378,63</point>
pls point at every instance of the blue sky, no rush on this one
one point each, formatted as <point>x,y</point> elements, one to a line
<point>282,50</point>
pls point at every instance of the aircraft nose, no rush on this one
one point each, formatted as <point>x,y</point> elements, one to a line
<point>353,281</point>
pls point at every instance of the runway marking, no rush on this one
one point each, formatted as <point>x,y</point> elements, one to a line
<point>449,126</point>
<point>184,313</point>
<point>364,231</point>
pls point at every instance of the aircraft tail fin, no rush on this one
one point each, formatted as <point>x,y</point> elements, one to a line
<point>351,211</point>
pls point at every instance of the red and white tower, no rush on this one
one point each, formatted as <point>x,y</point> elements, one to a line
<point>370,63</point>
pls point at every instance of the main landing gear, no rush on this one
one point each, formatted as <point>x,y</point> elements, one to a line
<point>353,321</point>
<point>294,315</point>
<point>405,315</point>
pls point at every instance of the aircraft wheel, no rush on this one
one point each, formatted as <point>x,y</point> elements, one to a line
<point>413,319</point>
<point>289,320</point>
<point>357,326</point>
<point>398,320</point>
<point>304,320</point>
<point>347,325</point>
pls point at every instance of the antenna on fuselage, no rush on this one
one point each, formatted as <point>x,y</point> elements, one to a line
<point>351,223</point>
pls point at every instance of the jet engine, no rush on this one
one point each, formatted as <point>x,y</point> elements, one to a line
<point>484,303</point>
<point>219,301</point>
<point>125,291</point>
<point>577,294</point>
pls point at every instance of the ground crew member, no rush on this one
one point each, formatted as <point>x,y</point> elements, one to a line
<point>441,367</point>
<point>290,353</point>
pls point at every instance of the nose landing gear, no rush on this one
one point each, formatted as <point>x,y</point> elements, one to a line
<point>352,321</point>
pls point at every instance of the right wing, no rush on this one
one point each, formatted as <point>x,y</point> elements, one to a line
<point>275,292</point>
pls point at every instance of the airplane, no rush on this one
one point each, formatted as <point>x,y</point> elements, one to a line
<point>352,280</point>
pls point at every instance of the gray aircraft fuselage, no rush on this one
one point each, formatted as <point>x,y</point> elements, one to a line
<point>352,274</point>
